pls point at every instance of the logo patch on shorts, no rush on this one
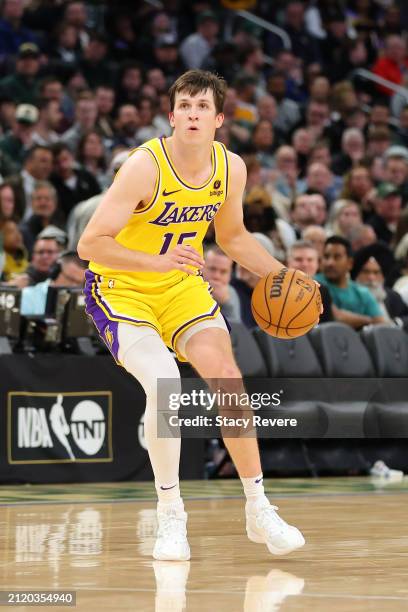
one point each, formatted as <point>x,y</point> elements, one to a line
<point>109,336</point>
<point>111,283</point>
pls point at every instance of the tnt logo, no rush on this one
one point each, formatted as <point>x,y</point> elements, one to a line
<point>50,428</point>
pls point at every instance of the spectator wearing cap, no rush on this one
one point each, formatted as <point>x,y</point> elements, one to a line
<point>393,64</point>
<point>12,32</point>
<point>195,49</point>
<point>37,167</point>
<point>356,306</point>
<point>95,64</point>
<point>22,86</point>
<point>50,120</point>
<point>45,212</point>
<point>86,113</point>
<point>372,264</point>
<point>16,143</point>
<point>387,211</point>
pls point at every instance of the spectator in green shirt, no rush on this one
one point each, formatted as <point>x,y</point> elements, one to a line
<point>355,303</point>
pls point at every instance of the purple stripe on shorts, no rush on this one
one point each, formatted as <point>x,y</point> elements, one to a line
<point>107,329</point>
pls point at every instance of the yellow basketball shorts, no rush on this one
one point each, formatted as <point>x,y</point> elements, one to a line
<point>110,301</point>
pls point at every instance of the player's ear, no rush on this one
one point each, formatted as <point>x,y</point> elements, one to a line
<point>171,119</point>
<point>219,120</point>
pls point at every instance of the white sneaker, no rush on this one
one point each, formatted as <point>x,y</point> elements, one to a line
<point>264,526</point>
<point>381,470</point>
<point>171,543</point>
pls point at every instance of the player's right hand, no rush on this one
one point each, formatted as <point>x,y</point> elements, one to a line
<point>182,257</point>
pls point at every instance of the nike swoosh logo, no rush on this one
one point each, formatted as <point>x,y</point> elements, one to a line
<point>259,480</point>
<point>167,488</point>
<point>167,193</point>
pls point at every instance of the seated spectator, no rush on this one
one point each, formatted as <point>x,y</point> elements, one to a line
<point>91,156</point>
<point>16,259</point>
<point>95,63</point>
<point>126,126</point>
<point>45,254</point>
<point>356,306</point>
<point>218,271</point>
<point>19,140</point>
<point>387,211</point>
<point>344,215</point>
<point>72,184</point>
<point>288,182</point>
<point>396,169</point>
<point>371,266</point>
<point>263,139</point>
<point>302,142</point>
<point>12,31</point>
<point>64,49</point>
<point>105,103</point>
<point>22,86</point>
<point>394,64</point>
<point>303,256</point>
<point>45,212</point>
<point>7,203</point>
<point>317,236</point>
<point>85,119</point>
<point>378,141</point>
<point>245,282</point>
<point>195,49</point>
<point>358,186</point>
<point>303,213</point>
<point>49,123</point>
<point>360,236</point>
<point>352,151</point>
<point>246,111</point>
<point>71,273</point>
<point>37,167</point>
<point>320,178</point>
<point>288,111</point>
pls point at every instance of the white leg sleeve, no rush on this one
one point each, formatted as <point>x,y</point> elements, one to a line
<point>144,355</point>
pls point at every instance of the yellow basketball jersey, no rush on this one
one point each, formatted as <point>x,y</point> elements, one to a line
<point>178,213</point>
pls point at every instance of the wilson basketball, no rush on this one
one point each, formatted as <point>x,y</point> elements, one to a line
<point>286,304</point>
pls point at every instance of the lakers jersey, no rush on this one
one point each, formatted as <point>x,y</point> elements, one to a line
<point>178,213</point>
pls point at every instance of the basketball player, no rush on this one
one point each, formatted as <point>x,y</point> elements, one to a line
<point>145,291</point>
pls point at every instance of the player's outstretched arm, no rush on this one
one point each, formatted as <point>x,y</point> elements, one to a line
<point>133,185</point>
<point>231,235</point>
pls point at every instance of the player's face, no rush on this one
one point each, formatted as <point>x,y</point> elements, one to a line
<point>305,260</point>
<point>195,118</point>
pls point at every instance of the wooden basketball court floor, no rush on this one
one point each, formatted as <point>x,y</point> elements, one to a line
<point>96,539</point>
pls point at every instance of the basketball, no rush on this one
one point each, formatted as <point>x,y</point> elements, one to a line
<point>286,304</point>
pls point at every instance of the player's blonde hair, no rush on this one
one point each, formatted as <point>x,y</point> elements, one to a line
<point>194,81</point>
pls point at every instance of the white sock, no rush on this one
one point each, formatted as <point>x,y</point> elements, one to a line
<point>168,495</point>
<point>253,488</point>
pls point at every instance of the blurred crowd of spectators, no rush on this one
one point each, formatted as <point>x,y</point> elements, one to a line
<point>82,83</point>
